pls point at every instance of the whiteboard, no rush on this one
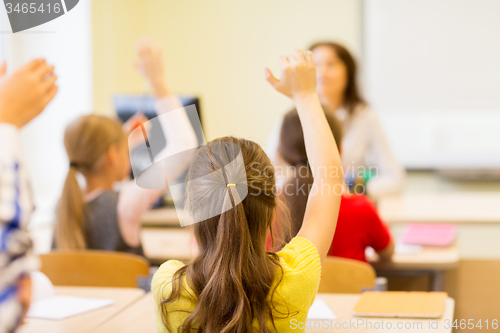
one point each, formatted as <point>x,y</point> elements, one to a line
<point>432,73</point>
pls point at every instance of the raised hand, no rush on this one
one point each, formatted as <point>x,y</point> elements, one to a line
<point>298,75</point>
<point>25,94</point>
<point>150,64</point>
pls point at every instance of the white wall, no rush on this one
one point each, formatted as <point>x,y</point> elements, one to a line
<point>66,43</point>
<point>217,50</point>
<point>432,72</point>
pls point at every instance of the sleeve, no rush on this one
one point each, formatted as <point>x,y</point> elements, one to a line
<point>163,277</point>
<point>390,174</point>
<point>379,232</point>
<point>161,288</point>
<point>301,272</point>
<point>16,259</point>
<point>134,201</point>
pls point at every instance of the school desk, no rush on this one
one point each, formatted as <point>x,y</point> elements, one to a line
<point>445,207</point>
<point>140,318</point>
<point>162,244</point>
<point>161,217</point>
<point>433,261</point>
<point>86,322</point>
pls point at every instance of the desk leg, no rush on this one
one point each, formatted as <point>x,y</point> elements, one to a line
<point>437,283</point>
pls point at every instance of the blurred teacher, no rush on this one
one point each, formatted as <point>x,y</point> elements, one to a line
<point>365,150</point>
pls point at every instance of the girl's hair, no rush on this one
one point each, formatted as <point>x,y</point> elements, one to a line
<point>87,140</point>
<point>352,96</point>
<point>232,275</point>
<point>292,149</point>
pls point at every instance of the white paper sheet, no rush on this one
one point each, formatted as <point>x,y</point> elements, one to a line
<point>402,248</point>
<point>320,311</point>
<point>60,306</point>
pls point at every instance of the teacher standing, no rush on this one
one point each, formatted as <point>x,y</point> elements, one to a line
<point>365,147</point>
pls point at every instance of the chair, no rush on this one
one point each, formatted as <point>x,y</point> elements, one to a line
<point>93,268</point>
<point>346,276</point>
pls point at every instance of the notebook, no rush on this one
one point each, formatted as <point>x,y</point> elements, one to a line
<point>319,310</point>
<point>401,304</point>
<point>429,234</point>
<point>60,306</point>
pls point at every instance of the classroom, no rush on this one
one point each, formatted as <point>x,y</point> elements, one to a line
<point>264,166</point>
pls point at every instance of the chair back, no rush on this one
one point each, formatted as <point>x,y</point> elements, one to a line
<point>346,276</point>
<point>92,268</point>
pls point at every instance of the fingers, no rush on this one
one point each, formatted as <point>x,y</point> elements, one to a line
<point>49,82</point>
<point>284,63</point>
<point>309,57</point>
<point>49,95</point>
<point>271,79</point>
<point>292,60</point>
<point>44,70</point>
<point>300,55</point>
<point>34,64</point>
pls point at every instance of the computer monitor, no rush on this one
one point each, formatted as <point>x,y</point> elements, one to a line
<point>128,105</point>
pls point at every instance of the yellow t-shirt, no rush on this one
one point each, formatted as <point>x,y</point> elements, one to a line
<point>295,294</point>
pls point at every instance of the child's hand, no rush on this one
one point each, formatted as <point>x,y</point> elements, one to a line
<point>298,75</point>
<point>150,64</point>
<point>25,94</point>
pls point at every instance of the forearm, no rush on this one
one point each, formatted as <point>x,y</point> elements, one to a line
<point>320,144</point>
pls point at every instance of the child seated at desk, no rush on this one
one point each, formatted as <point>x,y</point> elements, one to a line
<point>97,217</point>
<point>359,225</point>
<point>233,284</point>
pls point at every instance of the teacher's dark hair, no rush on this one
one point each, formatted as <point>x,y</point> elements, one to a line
<point>352,96</point>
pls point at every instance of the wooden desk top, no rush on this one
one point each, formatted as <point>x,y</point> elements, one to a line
<point>162,244</point>
<point>85,322</point>
<point>140,317</point>
<point>165,217</point>
<point>454,207</point>
<point>431,258</point>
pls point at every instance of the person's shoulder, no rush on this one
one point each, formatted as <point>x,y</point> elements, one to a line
<point>364,112</point>
<point>162,279</point>
<point>360,203</point>
<point>105,197</point>
<point>300,256</point>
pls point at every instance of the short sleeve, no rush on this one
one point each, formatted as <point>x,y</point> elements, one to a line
<point>163,278</point>
<point>301,272</point>
<point>379,231</point>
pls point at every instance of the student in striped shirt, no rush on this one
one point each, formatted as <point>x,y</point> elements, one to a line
<point>23,95</point>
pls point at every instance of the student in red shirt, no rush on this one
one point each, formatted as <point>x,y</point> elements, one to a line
<point>359,225</point>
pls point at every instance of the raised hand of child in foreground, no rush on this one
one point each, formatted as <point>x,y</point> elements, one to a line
<point>298,81</point>
<point>298,75</point>
<point>24,94</point>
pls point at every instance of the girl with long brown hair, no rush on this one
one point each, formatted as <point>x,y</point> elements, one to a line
<point>233,284</point>
<point>367,155</point>
<point>97,216</point>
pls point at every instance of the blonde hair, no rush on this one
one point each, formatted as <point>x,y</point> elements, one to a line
<point>87,140</point>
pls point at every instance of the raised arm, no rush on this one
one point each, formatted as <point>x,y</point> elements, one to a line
<point>298,81</point>
<point>179,133</point>
<point>23,96</point>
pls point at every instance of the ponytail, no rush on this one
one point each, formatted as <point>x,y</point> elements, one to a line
<point>232,276</point>
<point>69,231</point>
<point>87,140</point>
